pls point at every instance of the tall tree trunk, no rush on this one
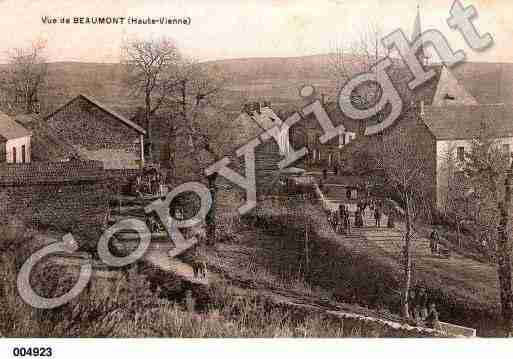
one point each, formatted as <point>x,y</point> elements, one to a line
<point>147,101</point>
<point>183,100</point>
<point>29,100</point>
<point>405,297</point>
<point>211,215</point>
<point>504,257</point>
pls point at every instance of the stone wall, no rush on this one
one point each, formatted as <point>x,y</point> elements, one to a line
<point>67,196</point>
<point>120,180</point>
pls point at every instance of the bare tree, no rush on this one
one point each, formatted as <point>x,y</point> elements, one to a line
<point>151,65</point>
<point>504,255</point>
<point>454,191</point>
<point>203,120</point>
<point>357,56</point>
<point>25,76</point>
<point>404,172</point>
<point>487,169</point>
<point>186,94</point>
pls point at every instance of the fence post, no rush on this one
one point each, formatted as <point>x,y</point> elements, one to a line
<point>307,251</point>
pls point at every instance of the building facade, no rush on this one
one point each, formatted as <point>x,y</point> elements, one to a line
<point>94,132</point>
<point>15,141</point>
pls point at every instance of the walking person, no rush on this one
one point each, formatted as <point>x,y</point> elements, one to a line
<point>377,215</point>
<point>341,218</point>
<point>358,219</point>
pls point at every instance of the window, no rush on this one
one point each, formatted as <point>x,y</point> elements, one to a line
<point>14,155</point>
<point>505,148</point>
<point>461,153</point>
<point>147,149</point>
<point>341,139</point>
<point>23,154</point>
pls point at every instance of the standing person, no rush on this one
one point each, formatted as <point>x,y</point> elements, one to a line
<point>358,219</point>
<point>335,169</point>
<point>432,320</point>
<point>325,174</point>
<point>347,220</point>
<point>391,218</point>
<point>377,215</point>
<point>433,242</point>
<point>341,218</point>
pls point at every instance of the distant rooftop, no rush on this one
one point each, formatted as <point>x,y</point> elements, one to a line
<point>10,129</point>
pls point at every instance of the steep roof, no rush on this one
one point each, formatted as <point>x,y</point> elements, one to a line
<point>10,129</point>
<point>266,119</point>
<point>465,122</point>
<point>47,146</point>
<point>247,127</point>
<point>489,83</point>
<point>400,77</point>
<point>104,108</point>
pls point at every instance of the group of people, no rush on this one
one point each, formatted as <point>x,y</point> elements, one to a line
<point>421,312</point>
<point>154,224</point>
<point>377,208</point>
<point>341,219</point>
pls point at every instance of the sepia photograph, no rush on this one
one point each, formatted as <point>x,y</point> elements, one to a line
<point>255,169</point>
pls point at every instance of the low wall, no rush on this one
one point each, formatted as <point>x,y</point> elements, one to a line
<point>121,179</point>
<point>68,196</point>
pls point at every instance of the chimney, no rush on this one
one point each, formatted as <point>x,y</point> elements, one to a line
<point>323,99</point>
<point>421,117</point>
<point>247,108</point>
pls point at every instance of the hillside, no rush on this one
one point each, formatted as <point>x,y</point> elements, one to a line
<point>274,79</point>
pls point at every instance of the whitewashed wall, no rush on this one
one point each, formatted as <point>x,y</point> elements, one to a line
<point>18,144</point>
<point>442,150</point>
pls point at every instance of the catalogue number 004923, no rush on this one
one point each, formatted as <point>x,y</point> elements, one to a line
<point>32,352</point>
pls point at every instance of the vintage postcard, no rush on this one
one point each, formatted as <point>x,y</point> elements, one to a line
<point>255,169</point>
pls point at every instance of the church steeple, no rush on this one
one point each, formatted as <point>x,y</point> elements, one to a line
<point>417,31</point>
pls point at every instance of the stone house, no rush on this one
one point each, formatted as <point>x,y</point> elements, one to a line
<point>15,141</point>
<point>246,126</point>
<point>454,128</point>
<point>441,117</point>
<point>87,129</point>
<point>251,123</point>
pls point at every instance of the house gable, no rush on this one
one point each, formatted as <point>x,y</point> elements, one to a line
<point>450,92</point>
<point>84,124</point>
<point>89,130</point>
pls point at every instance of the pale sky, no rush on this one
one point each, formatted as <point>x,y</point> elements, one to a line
<point>223,29</point>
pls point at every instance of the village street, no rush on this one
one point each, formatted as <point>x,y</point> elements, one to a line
<point>458,274</point>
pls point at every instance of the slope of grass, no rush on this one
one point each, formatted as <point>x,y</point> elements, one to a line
<point>353,271</point>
